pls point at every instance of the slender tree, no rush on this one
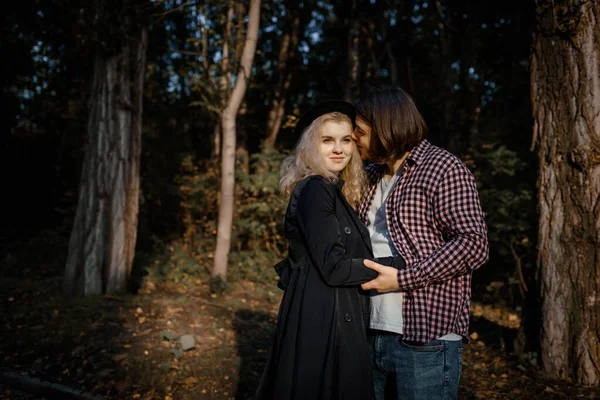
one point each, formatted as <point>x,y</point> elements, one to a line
<point>228,123</point>
<point>102,243</point>
<point>565,94</point>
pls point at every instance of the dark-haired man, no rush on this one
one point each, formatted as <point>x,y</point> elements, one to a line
<point>421,205</point>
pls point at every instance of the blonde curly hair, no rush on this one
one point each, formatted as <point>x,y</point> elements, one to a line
<point>305,160</point>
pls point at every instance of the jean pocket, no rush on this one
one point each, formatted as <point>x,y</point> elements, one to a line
<point>423,347</point>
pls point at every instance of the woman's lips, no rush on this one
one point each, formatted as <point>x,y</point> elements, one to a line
<point>337,159</point>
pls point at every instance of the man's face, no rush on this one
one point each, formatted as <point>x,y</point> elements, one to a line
<point>362,137</point>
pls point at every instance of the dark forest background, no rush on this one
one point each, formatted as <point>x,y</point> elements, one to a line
<point>466,63</point>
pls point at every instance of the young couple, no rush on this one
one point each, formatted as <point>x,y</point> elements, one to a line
<point>378,276</point>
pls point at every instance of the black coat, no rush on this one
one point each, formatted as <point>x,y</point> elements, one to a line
<point>319,350</point>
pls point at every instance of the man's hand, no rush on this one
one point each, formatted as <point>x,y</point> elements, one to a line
<point>387,281</point>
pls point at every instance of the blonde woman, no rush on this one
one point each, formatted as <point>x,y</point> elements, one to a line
<point>320,350</point>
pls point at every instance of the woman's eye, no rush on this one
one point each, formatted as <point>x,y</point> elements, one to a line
<point>326,140</point>
<point>346,140</point>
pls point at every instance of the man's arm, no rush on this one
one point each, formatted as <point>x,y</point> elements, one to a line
<point>458,214</point>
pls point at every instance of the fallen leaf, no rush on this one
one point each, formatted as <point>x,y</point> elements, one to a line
<point>190,381</point>
<point>549,390</point>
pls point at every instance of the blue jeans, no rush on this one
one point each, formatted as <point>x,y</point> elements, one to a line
<point>414,371</point>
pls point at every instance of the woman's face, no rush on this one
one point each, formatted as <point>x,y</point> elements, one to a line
<point>336,146</point>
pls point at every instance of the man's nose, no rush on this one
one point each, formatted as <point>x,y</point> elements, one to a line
<point>354,136</point>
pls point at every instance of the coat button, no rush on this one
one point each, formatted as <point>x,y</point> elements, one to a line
<point>347,230</point>
<point>348,318</point>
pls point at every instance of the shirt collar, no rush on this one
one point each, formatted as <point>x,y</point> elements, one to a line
<point>416,154</point>
<point>414,157</point>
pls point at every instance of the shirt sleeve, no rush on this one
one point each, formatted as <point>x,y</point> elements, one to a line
<point>316,214</point>
<point>458,215</point>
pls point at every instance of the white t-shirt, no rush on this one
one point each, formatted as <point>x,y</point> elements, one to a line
<point>386,308</point>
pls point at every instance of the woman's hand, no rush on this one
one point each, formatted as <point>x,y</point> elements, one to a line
<point>387,281</point>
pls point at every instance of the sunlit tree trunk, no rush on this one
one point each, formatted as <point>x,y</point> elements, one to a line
<point>565,91</point>
<point>228,121</point>
<point>242,155</point>
<point>102,243</point>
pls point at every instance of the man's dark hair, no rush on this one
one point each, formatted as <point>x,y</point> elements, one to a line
<point>396,124</point>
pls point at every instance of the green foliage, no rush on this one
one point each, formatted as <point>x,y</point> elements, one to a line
<point>218,285</point>
<point>260,207</point>
<point>171,262</point>
<point>257,233</point>
<point>506,190</point>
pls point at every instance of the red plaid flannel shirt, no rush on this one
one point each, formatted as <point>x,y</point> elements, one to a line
<point>436,224</point>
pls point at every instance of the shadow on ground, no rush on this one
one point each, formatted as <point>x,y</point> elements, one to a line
<point>254,333</point>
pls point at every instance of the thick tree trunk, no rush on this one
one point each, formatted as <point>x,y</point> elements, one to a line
<point>229,145</point>
<point>102,243</point>
<point>565,91</point>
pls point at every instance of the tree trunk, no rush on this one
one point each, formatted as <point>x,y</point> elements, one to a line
<point>242,155</point>
<point>102,243</point>
<point>446,77</point>
<point>229,146</point>
<point>289,45</point>
<point>352,86</point>
<point>216,150</point>
<point>565,93</point>
<point>372,68</point>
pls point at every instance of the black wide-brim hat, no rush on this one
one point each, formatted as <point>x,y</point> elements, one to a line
<point>325,107</point>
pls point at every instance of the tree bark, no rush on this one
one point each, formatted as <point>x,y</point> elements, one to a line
<point>102,242</point>
<point>216,150</point>
<point>565,93</point>
<point>228,121</point>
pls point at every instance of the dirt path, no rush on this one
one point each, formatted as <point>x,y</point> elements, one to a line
<point>130,347</point>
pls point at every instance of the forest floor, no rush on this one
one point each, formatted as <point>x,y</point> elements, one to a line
<point>128,347</point>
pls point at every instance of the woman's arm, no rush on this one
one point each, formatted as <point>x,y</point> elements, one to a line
<point>320,228</point>
<point>392,261</point>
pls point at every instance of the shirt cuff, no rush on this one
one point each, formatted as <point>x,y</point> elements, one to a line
<point>407,280</point>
